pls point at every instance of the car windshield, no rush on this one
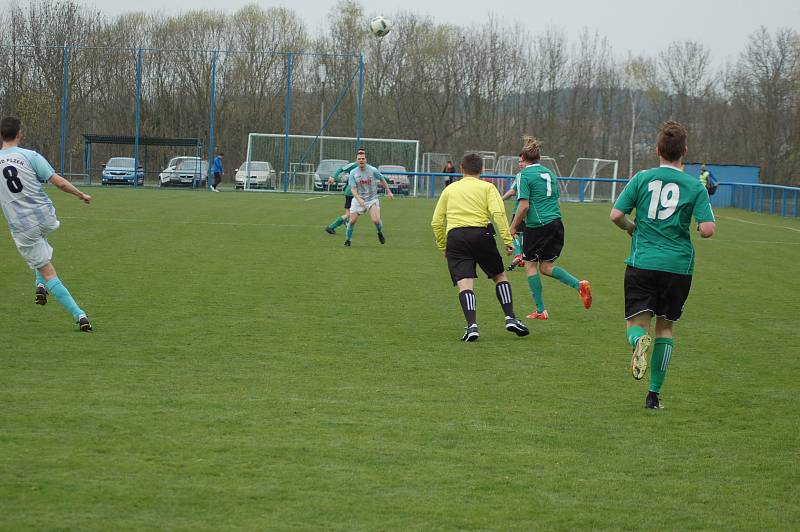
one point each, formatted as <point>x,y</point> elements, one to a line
<point>257,166</point>
<point>330,166</point>
<point>189,165</point>
<point>120,162</point>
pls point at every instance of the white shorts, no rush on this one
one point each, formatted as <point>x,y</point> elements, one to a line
<point>33,246</point>
<point>355,207</point>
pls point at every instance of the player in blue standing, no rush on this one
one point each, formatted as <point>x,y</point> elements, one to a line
<point>659,272</point>
<point>363,182</point>
<point>31,215</point>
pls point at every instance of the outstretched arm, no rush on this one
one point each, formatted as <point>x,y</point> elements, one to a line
<point>58,181</point>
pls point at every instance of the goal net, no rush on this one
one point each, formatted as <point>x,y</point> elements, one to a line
<point>303,163</point>
<point>432,163</point>
<point>591,180</point>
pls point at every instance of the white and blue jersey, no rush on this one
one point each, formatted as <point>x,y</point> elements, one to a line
<point>23,200</point>
<point>366,182</point>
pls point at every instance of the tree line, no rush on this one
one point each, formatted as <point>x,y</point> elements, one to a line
<point>453,88</point>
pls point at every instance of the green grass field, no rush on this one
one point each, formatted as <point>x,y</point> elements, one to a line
<point>249,372</point>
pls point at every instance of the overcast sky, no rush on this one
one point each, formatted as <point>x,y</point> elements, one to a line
<point>637,26</point>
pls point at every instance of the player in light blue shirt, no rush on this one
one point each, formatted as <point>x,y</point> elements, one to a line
<point>31,215</point>
<point>363,183</point>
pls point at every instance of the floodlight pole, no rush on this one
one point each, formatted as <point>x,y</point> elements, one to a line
<point>323,77</point>
<point>138,111</point>
<point>360,98</point>
<point>64,94</point>
<point>211,118</point>
<point>288,122</point>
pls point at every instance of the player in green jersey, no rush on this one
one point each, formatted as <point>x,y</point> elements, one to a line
<point>659,272</point>
<point>513,190</point>
<point>538,217</point>
<point>348,196</point>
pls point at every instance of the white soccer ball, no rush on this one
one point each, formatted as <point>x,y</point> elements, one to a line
<point>380,26</point>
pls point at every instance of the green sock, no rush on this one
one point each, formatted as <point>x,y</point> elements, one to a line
<point>565,277</point>
<point>535,285</point>
<point>634,333</point>
<point>662,353</point>
<point>336,223</point>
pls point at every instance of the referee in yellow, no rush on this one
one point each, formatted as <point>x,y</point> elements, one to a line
<point>465,209</point>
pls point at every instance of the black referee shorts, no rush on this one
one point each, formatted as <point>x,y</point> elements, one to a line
<point>467,246</point>
<point>543,243</point>
<point>662,293</point>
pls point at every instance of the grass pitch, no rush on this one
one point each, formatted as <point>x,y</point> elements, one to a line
<point>249,372</point>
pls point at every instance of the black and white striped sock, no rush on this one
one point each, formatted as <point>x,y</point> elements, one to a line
<point>467,300</point>
<point>503,291</point>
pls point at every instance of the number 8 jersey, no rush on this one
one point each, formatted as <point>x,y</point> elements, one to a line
<point>665,200</point>
<point>24,202</point>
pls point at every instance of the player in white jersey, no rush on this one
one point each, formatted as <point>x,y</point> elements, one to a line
<point>363,182</point>
<point>31,215</point>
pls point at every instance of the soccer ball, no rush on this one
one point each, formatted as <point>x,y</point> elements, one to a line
<point>380,26</point>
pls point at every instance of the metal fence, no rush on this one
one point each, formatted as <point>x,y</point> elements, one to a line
<point>63,94</point>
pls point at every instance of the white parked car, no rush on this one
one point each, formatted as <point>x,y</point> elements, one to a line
<point>255,174</point>
<point>185,171</point>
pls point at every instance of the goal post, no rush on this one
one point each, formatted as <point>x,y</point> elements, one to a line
<point>594,180</point>
<point>310,157</point>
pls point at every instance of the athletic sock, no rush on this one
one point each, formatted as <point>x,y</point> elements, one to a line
<point>336,223</point>
<point>634,333</point>
<point>60,292</point>
<point>379,227</point>
<point>39,279</point>
<point>467,300</point>
<point>349,233</point>
<point>565,277</point>
<point>503,292</point>
<point>535,284</point>
<point>662,353</point>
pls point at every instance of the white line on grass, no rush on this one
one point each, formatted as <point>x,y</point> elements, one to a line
<point>751,242</point>
<point>756,223</point>
<point>315,197</point>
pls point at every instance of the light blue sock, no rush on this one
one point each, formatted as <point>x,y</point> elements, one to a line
<point>60,292</point>
<point>379,227</point>
<point>349,233</point>
<point>39,279</point>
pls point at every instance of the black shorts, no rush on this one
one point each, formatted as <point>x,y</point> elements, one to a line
<point>662,293</point>
<point>348,200</point>
<point>467,246</point>
<point>543,243</point>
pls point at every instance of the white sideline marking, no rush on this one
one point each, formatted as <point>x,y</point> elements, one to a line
<point>315,197</point>
<point>756,223</point>
<point>750,241</point>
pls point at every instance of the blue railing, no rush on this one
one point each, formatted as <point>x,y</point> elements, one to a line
<point>771,199</point>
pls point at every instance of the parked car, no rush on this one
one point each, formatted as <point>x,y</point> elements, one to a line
<point>187,171</point>
<point>325,170</point>
<point>163,177</point>
<point>119,170</point>
<point>398,183</point>
<point>260,174</point>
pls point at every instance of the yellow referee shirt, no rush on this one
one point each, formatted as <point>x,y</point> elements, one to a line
<point>469,202</point>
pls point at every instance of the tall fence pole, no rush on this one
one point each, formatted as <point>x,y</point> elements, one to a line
<point>138,114</point>
<point>211,113</point>
<point>288,122</point>
<point>360,98</point>
<point>64,95</point>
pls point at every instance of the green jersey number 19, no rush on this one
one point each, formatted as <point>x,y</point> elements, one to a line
<point>668,196</point>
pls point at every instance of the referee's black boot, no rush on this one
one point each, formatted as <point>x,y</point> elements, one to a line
<point>516,326</point>
<point>471,333</point>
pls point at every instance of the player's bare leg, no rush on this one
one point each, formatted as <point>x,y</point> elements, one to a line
<point>375,216</point>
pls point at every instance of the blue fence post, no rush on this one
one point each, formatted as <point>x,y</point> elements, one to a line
<point>138,111</point>
<point>360,98</point>
<point>211,114</point>
<point>288,122</point>
<point>64,95</point>
<point>581,191</point>
<point>772,201</point>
